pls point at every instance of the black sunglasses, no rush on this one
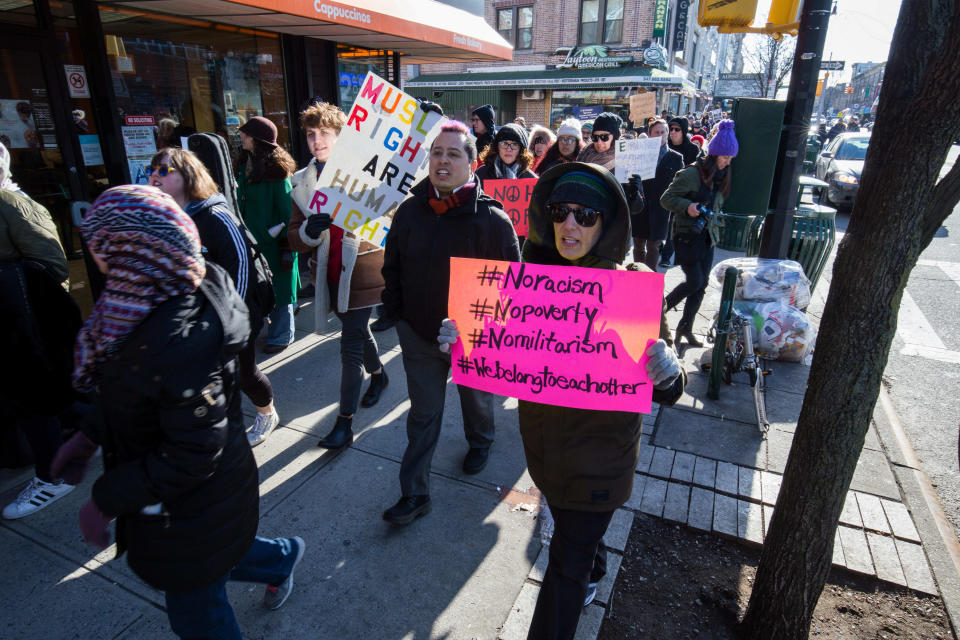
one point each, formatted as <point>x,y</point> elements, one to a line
<point>583,217</point>
<point>675,129</point>
<point>602,137</point>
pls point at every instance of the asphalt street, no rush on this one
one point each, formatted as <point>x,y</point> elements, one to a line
<point>923,371</point>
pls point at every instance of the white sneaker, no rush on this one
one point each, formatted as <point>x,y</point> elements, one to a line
<point>263,425</point>
<point>591,593</point>
<point>37,495</point>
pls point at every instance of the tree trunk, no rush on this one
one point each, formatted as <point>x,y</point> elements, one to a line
<point>899,208</point>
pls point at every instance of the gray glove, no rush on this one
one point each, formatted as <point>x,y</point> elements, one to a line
<point>663,367</point>
<point>448,334</point>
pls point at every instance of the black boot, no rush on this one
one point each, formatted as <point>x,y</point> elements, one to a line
<point>378,382</point>
<point>341,436</point>
<point>684,332</point>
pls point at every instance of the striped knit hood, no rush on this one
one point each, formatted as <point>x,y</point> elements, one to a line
<point>152,250</point>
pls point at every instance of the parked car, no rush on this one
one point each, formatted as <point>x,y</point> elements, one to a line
<point>840,165</point>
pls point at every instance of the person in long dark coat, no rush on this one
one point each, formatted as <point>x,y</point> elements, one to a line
<point>651,227</point>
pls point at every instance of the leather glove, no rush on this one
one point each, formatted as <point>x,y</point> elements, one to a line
<point>426,105</point>
<point>317,224</point>
<point>448,334</point>
<point>72,458</point>
<point>663,367</point>
<point>634,188</point>
<point>93,524</point>
<point>286,261</point>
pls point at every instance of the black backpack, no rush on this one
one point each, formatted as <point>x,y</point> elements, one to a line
<point>215,155</point>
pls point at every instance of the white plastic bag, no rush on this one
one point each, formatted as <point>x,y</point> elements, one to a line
<point>767,280</point>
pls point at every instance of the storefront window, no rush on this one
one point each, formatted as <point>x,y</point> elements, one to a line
<point>586,105</point>
<point>173,77</point>
<point>21,12</point>
<point>352,67</point>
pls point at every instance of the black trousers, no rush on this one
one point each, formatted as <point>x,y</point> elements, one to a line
<point>697,276</point>
<point>577,558</point>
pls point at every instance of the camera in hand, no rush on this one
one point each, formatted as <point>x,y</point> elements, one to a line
<point>700,222</point>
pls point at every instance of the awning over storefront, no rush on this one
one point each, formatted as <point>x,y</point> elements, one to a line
<point>423,31</point>
<point>550,79</point>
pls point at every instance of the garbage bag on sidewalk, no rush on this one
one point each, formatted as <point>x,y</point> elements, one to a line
<point>780,331</point>
<point>766,280</point>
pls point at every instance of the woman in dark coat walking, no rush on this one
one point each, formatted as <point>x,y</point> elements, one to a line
<point>582,460</point>
<point>507,157</point>
<point>179,477</point>
<point>705,183</point>
<point>651,226</point>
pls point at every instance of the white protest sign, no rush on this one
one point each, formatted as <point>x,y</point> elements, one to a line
<point>382,151</point>
<point>716,114</point>
<point>637,156</point>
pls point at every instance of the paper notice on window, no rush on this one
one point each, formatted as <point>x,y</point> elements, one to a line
<point>139,141</point>
<point>637,157</point>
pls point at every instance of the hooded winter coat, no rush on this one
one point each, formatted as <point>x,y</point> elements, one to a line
<point>173,435</point>
<point>582,459</point>
<point>687,149</point>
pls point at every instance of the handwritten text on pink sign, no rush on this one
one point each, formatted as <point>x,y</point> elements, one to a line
<point>565,336</point>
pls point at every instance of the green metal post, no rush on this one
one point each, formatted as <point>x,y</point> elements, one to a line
<point>722,333</point>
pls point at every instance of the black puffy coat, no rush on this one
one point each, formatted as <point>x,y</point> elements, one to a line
<point>173,434</point>
<point>653,221</point>
<point>416,262</point>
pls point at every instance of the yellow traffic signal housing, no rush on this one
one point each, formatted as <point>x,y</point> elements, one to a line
<point>737,16</point>
<point>726,13</point>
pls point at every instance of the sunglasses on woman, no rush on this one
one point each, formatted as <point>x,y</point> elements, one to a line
<point>583,217</point>
<point>160,169</point>
<point>675,129</point>
<point>600,137</point>
<point>567,140</point>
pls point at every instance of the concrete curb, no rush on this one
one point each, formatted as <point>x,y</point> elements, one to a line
<point>939,540</point>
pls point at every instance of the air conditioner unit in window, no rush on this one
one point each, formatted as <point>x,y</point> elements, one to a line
<point>532,94</point>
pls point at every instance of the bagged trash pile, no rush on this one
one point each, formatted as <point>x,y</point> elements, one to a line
<point>771,293</point>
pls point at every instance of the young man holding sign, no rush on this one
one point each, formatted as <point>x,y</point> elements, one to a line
<point>447,215</point>
<point>582,460</point>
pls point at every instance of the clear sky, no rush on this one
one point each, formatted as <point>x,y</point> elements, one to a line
<point>860,32</point>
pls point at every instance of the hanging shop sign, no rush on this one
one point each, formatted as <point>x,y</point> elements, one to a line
<point>655,56</point>
<point>680,25</point>
<point>660,19</point>
<point>592,57</point>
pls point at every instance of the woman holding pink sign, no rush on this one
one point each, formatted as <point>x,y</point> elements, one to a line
<point>582,460</point>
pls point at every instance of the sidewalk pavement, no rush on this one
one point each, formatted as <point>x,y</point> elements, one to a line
<point>473,566</point>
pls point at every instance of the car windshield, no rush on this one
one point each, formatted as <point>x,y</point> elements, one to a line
<point>855,149</point>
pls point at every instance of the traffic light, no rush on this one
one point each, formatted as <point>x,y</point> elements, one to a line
<point>785,11</point>
<point>738,13</point>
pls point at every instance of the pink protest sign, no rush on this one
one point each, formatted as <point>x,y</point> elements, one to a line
<point>514,195</point>
<point>565,336</point>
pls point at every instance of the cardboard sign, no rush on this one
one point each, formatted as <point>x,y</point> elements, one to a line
<point>382,151</point>
<point>514,195</point>
<point>642,106</point>
<point>636,156</point>
<point>564,336</point>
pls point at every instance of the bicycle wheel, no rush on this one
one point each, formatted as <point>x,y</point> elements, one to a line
<point>759,398</point>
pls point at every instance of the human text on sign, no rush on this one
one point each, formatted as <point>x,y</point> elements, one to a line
<point>514,195</point>
<point>636,157</point>
<point>382,151</point>
<point>565,336</point>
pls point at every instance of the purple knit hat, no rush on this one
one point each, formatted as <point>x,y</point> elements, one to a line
<point>725,142</point>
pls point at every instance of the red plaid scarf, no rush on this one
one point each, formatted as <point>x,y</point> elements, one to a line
<point>454,200</point>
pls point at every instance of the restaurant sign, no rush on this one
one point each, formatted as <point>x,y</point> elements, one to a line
<point>592,57</point>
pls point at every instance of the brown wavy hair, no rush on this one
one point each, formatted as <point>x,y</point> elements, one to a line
<point>197,181</point>
<point>267,162</point>
<point>707,168</point>
<point>524,158</point>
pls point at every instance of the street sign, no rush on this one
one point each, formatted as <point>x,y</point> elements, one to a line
<point>832,65</point>
<point>77,80</point>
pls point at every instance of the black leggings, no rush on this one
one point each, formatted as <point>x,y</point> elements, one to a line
<point>254,382</point>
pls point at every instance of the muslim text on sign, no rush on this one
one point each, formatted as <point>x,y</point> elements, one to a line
<point>382,151</point>
<point>514,195</point>
<point>564,336</point>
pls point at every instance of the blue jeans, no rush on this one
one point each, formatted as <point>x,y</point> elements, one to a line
<point>206,614</point>
<point>280,330</point>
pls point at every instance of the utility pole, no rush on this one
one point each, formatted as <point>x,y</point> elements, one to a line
<point>778,228</point>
